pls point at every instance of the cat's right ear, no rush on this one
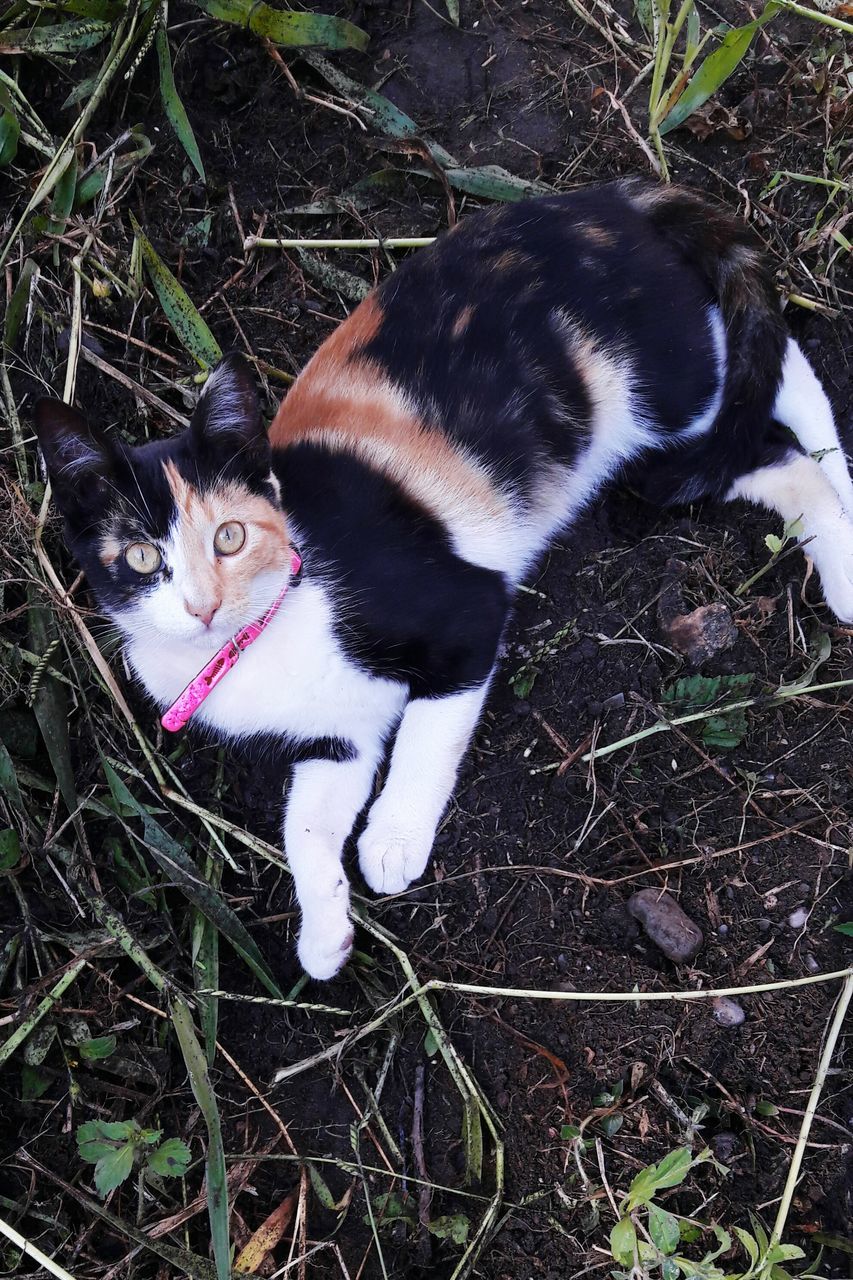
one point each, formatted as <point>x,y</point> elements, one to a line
<point>79,459</point>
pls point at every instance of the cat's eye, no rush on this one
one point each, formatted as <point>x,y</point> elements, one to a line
<point>143,557</point>
<point>229,537</point>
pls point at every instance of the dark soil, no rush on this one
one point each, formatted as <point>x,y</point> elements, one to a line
<point>534,865</point>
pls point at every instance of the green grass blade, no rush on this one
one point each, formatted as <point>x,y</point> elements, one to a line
<point>300,30</point>
<point>51,708</point>
<point>716,68</point>
<point>61,37</point>
<point>453,11</point>
<point>63,202</point>
<point>9,780</point>
<point>10,129</point>
<point>102,10</point>
<point>18,304</point>
<point>491,182</point>
<point>172,105</point>
<point>183,872</point>
<point>385,117</point>
<point>205,963</point>
<point>217,1187</point>
<point>190,330</point>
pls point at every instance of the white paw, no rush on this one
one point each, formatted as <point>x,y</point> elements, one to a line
<point>390,859</point>
<point>325,937</point>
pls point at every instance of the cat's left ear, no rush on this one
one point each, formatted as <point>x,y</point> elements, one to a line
<point>228,418</point>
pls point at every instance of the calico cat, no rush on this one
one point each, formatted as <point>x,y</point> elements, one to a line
<point>444,433</point>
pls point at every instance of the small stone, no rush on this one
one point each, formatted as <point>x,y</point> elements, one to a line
<point>798,918</point>
<point>666,924</point>
<point>702,634</point>
<point>723,930</point>
<point>764,925</point>
<point>728,1012</point>
<point>725,1146</point>
<point>810,963</point>
<point>614,703</point>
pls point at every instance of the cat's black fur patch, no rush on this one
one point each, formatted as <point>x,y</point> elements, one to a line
<point>410,609</point>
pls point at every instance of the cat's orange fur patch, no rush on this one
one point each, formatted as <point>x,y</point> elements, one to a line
<point>218,578</point>
<point>343,401</point>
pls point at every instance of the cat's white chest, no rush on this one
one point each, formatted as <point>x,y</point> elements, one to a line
<point>294,681</point>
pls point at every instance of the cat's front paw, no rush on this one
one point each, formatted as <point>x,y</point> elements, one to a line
<point>324,949</point>
<point>390,859</point>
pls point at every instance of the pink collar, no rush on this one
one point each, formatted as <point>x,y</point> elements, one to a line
<point>187,703</point>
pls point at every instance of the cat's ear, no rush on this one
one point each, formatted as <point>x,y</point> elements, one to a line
<point>228,418</point>
<point>79,459</point>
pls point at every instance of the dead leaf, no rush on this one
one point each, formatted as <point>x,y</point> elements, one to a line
<point>267,1236</point>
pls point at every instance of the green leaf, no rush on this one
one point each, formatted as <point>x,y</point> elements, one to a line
<point>302,30</point>
<point>610,1125</point>
<point>700,691</point>
<point>623,1241</point>
<point>759,1233</point>
<point>569,1132</point>
<point>773,543</point>
<point>663,1229</point>
<point>717,67</point>
<point>673,1169</point>
<point>724,1243</point>
<point>785,1253</point>
<point>643,1187</point>
<point>749,1243</point>
<point>670,1270</point>
<point>96,1049</point>
<point>35,1082</point>
<point>725,732</point>
<point>431,1045</point>
<point>453,11</point>
<point>190,329</point>
<point>763,1108</point>
<point>10,130</point>
<point>172,104</point>
<point>846,928</point>
<point>10,849</point>
<point>171,1159</point>
<point>112,1168</point>
<point>451,1226</point>
<point>61,37</point>
<point>97,1138</point>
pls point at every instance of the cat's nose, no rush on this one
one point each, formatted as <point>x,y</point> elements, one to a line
<point>204,612</point>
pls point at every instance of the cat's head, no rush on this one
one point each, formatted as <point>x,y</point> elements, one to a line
<point>181,539</point>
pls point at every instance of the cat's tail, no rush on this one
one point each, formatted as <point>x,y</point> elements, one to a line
<point>725,254</point>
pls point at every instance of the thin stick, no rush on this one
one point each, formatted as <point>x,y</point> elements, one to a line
<point>811,1107</point>
<point>723,708</point>
<point>395,242</point>
<point>32,1251</point>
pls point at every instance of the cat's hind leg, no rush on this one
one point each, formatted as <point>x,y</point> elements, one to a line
<point>803,407</point>
<point>323,801</point>
<point>799,488</point>
<point>432,738</point>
